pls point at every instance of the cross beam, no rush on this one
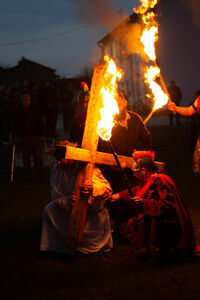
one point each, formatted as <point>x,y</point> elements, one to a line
<point>100,158</point>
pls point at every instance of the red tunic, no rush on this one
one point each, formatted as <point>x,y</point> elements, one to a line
<point>166,219</point>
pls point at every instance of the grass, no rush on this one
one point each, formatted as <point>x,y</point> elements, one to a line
<point>121,274</point>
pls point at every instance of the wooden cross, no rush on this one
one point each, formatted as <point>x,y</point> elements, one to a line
<point>88,153</point>
<point>89,142</point>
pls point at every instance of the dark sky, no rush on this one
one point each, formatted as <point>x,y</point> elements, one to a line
<point>28,29</point>
<point>179,45</point>
<point>63,35</point>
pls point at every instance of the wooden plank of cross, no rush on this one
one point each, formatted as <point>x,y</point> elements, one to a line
<point>89,142</point>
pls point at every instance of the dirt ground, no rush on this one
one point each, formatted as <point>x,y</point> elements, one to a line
<point>123,273</point>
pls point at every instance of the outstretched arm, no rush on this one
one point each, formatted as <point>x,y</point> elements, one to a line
<point>184,111</point>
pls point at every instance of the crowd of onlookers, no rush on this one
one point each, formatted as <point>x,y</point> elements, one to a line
<point>45,98</point>
<point>71,102</point>
<point>28,115</point>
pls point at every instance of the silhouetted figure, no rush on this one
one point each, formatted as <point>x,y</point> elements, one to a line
<point>79,113</point>
<point>28,126</point>
<point>5,116</point>
<point>175,96</point>
<point>67,103</point>
<point>50,109</point>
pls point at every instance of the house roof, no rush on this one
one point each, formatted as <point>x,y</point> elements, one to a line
<point>28,61</point>
<point>131,19</point>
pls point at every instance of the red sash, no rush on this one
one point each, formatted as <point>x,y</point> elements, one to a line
<point>198,104</point>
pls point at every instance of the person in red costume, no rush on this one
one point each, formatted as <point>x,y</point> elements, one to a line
<point>162,220</point>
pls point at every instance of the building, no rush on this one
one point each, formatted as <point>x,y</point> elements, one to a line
<point>27,70</point>
<point>122,44</point>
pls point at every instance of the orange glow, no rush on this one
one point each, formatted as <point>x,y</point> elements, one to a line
<point>160,98</point>
<point>146,4</point>
<point>108,93</point>
<point>148,38</point>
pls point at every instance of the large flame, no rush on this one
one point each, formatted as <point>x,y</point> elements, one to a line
<point>146,4</point>
<point>109,105</point>
<point>151,74</point>
<point>148,39</point>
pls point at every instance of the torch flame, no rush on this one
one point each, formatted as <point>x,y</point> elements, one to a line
<point>148,38</point>
<point>108,93</point>
<point>146,4</point>
<point>151,75</point>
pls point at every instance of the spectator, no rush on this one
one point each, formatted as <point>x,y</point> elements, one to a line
<point>67,102</point>
<point>28,126</point>
<point>5,116</point>
<point>50,109</point>
<point>175,96</point>
<point>79,113</point>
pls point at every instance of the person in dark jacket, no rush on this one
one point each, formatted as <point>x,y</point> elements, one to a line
<point>78,113</point>
<point>128,134</point>
<point>175,96</point>
<point>50,103</point>
<point>28,127</point>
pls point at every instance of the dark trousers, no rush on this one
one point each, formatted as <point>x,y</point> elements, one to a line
<point>171,118</point>
<point>50,123</point>
<point>32,146</point>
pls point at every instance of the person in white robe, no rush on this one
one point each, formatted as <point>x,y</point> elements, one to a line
<point>97,232</point>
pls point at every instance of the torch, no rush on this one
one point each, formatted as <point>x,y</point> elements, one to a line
<point>148,38</point>
<point>121,169</point>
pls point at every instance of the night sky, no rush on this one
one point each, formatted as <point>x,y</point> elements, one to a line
<point>179,45</point>
<point>63,35</point>
<point>60,34</point>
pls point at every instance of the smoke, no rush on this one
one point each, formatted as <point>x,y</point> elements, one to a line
<point>102,11</point>
<point>194,8</point>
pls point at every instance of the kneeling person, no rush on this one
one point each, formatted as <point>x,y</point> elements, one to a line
<point>163,220</point>
<point>97,233</point>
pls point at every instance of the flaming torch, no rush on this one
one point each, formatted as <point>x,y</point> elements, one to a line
<point>109,109</point>
<point>148,38</point>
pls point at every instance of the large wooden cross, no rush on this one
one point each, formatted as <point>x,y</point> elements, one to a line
<point>88,153</point>
<point>89,142</point>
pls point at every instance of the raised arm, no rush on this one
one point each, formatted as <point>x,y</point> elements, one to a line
<point>184,111</point>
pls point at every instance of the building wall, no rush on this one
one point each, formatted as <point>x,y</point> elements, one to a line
<point>133,80</point>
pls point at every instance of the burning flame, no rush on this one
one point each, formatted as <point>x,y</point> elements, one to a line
<point>148,39</point>
<point>108,93</point>
<point>151,75</point>
<point>146,4</point>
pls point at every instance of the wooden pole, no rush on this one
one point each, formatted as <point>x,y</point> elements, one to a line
<point>13,163</point>
<point>90,142</point>
<point>121,169</point>
<point>148,117</point>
